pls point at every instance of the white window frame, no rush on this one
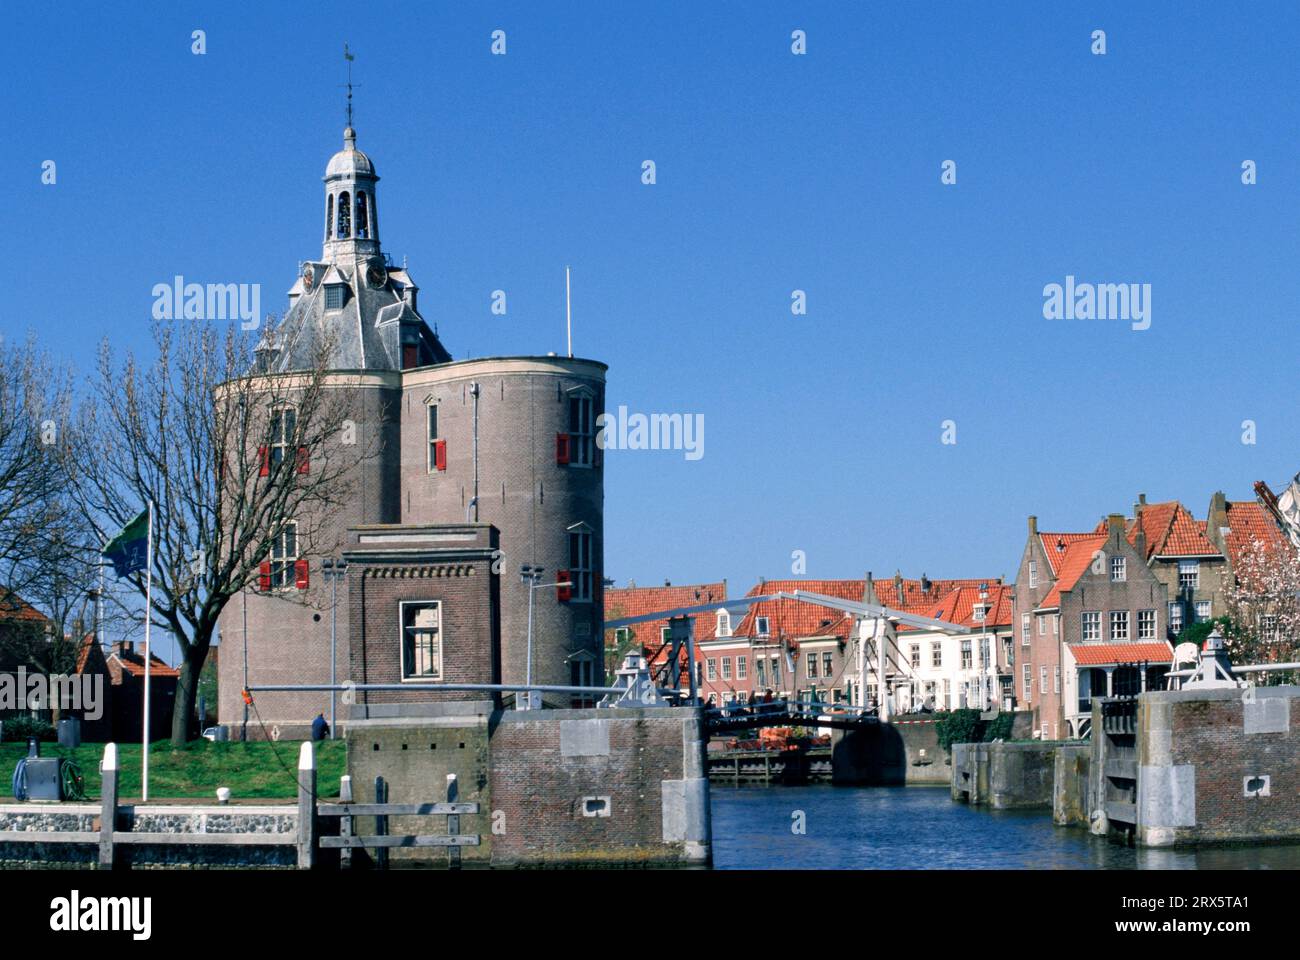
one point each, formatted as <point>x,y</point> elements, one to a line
<point>1033,574</point>
<point>742,667</point>
<point>1090,626</point>
<point>439,642</point>
<point>1118,569</point>
<point>762,625</point>
<point>1027,678</point>
<point>724,624</point>
<point>1026,629</point>
<point>916,656</point>
<point>1176,622</point>
<point>967,653</point>
<point>1042,625</point>
<point>726,668</point>
<point>582,427</point>
<point>1147,625</point>
<point>1119,626</point>
<point>828,665</point>
<point>1189,574</point>
<point>1042,679</point>
<point>1202,617</point>
<point>283,440</point>
<point>581,572</point>
<point>810,667</point>
<point>712,669</point>
<point>283,559</point>
<point>936,653</point>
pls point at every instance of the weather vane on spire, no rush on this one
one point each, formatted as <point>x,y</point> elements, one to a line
<point>349,57</point>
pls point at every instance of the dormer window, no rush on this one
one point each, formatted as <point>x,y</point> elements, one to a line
<point>762,624</point>
<point>335,296</point>
<point>724,623</point>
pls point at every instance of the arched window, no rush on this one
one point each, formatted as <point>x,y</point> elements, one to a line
<point>363,217</point>
<point>345,216</point>
<point>329,217</point>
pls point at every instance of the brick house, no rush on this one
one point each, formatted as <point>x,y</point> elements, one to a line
<point>125,667</point>
<point>1182,557</point>
<point>1091,618</point>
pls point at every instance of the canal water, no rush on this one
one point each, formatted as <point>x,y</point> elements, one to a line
<point>909,828</point>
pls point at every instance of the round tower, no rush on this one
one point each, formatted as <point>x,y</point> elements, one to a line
<point>511,441</point>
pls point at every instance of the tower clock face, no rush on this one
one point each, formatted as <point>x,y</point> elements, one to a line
<point>376,275</point>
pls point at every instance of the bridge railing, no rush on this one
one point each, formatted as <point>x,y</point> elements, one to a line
<point>789,709</point>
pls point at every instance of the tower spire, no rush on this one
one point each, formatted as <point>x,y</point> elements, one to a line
<point>349,57</point>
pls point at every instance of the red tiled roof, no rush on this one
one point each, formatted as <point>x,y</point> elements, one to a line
<point>133,663</point>
<point>1072,563</point>
<point>1170,530</point>
<point>1055,544</point>
<point>14,607</point>
<point>793,619</point>
<point>958,607</point>
<point>621,602</point>
<point>1090,654</point>
<point>1249,520</point>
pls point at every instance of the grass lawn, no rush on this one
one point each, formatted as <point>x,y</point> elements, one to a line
<point>250,770</point>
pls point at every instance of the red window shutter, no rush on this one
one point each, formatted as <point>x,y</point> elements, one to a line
<point>300,574</point>
<point>563,593</point>
<point>264,575</point>
<point>410,355</point>
<point>440,454</point>
<point>304,460</point>
<point>561,448</point>
<point>264,460</point>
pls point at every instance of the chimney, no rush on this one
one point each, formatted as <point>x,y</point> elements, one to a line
<point>1217,519</point>
<point>1137,507</point>
<point>1140,543</point>
<point>925,583</point>
<point>898,586</point>
<point>1115,524</point>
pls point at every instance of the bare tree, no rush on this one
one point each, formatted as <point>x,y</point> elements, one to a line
<point>34,408</point>
<point>1263,606</point>
<point>225,454</point>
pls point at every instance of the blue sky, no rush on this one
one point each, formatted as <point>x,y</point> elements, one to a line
<point>775,172</point>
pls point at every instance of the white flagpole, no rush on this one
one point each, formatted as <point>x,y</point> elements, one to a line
<point>148,611</point>
<point>568,311</point>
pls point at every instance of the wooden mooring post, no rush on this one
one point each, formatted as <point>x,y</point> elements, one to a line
<point>381,823</point>
<point>306,806</point>
<point>453,824</point>
<point>108,806</point>
<point>345,823</point>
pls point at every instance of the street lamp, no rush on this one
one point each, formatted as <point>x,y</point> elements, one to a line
<point>333,570</point>
<point>532,575</point>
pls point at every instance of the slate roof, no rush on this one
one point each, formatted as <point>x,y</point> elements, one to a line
<point>365,332</point>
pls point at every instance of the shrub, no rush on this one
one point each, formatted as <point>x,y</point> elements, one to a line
<point>20,729</point>
<point>957,726</point>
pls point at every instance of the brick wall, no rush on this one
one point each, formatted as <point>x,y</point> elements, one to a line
<point>1197,750</point>
<point>610,786</point>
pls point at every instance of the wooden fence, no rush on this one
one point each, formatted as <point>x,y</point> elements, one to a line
<point>306,836</point>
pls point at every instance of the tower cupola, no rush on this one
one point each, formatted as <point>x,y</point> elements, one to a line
<point>351,214</point>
